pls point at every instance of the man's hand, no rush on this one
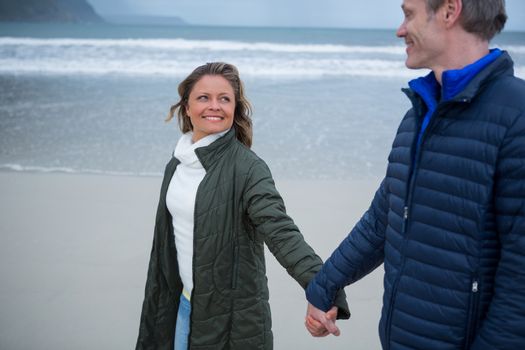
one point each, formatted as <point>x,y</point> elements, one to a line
<point>320,323</point>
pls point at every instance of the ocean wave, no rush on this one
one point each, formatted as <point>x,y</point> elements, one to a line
<point>217,45</point>
<point>66,170</point>
<point>250,67</point>
<point>178,57</point>
<point>519,72</point>
<point>514,49</point>
<point>214,45</point>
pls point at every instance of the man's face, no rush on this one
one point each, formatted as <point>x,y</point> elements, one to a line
<point>423,33</point>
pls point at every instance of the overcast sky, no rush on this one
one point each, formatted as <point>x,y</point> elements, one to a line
<point>287,13</point>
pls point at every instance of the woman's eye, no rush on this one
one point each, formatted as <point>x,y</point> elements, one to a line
<point>202,98</point>
<point>225,99</point>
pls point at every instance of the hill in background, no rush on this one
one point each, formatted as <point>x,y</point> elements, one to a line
<point>48,11</point>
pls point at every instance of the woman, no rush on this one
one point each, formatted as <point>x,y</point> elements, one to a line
<point>206,286</point>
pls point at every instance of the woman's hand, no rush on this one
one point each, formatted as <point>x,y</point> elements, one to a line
<point>320,323</point>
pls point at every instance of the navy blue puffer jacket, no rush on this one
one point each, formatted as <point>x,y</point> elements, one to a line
<point>452,235</point>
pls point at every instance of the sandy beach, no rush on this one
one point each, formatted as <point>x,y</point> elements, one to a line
<point>74,251</point>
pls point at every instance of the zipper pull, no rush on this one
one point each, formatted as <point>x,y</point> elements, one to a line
<point>405,219</point>
<point>475,287</point>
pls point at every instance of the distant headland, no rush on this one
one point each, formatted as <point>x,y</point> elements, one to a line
<point>70,11</point>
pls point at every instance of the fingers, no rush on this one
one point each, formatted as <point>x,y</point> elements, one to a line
<point>331,327</point>
<point>331,316</point>
<point>315,328</point>
<point>332,313</point>
<point>319,323</point>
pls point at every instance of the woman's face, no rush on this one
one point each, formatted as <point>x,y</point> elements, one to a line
<point>211,106</point>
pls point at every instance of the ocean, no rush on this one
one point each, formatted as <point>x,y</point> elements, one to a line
<point>93,98</point>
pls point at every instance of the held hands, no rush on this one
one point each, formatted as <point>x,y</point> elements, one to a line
<point>320,323</point>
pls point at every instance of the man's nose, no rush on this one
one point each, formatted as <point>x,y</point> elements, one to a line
<point>401,31</point>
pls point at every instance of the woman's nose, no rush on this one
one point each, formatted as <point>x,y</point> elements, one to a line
<point>214,104</point>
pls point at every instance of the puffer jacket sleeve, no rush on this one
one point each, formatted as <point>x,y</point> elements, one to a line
<point>357,255</point>
<point>504,326</point>
<point>267,214</point>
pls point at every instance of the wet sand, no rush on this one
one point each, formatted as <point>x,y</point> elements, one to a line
<point>74,251</point>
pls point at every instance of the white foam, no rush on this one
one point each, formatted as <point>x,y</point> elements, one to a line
<point>177,57</point>
<point>514,49</point>
<point>249,66</point>
<point>215,45</point>
<point>43,169</point>
<point>519,72</point>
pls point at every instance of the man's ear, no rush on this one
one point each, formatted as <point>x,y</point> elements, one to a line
<point>451,10</point>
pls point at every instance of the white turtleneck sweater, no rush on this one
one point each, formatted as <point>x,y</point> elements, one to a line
<point>180,200</point>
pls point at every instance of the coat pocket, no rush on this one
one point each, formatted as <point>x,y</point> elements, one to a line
<point>472,318</point>
<point>235,265</point>
<point>236,271</point>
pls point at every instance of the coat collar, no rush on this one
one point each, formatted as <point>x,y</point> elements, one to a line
<point>503,65</point>
<point>210,154</point>
<point>207,156</point>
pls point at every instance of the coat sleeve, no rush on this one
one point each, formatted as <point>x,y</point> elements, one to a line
<point>267,214</point>
<point>357,255</point>
<point>504,325</point>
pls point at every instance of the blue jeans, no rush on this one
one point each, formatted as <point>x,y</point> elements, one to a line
<point>182,328</point>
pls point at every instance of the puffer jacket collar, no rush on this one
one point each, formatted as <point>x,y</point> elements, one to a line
<point>211,154</point>
<point>502,66</point>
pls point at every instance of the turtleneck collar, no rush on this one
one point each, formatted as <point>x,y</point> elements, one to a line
<point>185,149</point>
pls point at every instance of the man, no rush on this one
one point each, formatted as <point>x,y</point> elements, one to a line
<point>448,220</point>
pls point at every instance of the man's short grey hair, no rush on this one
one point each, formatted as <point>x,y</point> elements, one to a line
<point>485,18</point>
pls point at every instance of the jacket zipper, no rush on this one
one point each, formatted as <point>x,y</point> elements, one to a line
<point>406,215</point>
<point>235,241</point>
<point>193,257</point>
<point>473,313</point>
<point>408,202</point>
<point>235,267</point>
<point>404,228</point>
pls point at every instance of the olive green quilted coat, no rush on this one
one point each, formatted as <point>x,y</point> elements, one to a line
<point>237,210</point>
